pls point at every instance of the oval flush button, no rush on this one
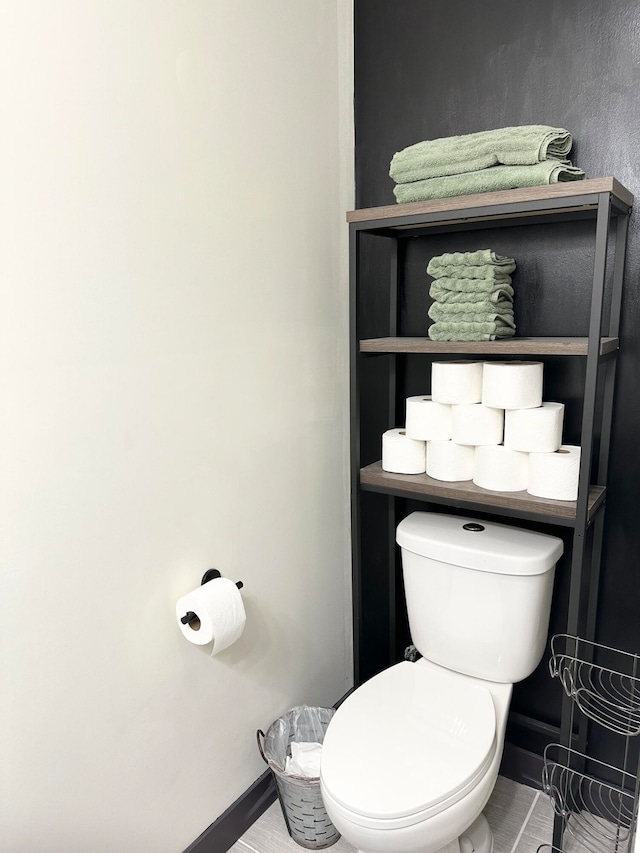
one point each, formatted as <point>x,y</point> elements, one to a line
<point>474,526</point>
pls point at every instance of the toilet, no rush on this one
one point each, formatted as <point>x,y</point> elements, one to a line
<point>411,757</point>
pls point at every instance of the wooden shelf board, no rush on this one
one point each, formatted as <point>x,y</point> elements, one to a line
<point>549,192</point>
<point>423,487</point>
<point>512,346</point>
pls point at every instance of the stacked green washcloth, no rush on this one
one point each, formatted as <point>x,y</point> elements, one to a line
<point>481,264</point>
<point>445,294</point>
<point>473,296</point>
<point>455,155</point>
<point>470,311</point>
<point>488,180</point>
<point>489,161</point>
<point>470,331</point>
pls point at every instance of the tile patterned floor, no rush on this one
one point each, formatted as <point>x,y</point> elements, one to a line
<point>520,817</point>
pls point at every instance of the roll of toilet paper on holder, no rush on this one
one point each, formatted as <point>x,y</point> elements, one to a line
<point>220,615</point>
<point>512,384</point>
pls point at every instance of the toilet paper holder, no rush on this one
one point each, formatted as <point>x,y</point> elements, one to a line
<point>209,575</point>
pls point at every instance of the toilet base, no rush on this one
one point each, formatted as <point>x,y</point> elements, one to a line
<point>478,838</point>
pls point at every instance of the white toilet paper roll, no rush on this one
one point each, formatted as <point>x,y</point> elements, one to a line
<point>456,381</point>
<point>512,384</point>
<point>449,461</point>
<point>428,420</point>
<point>555,475</point>
<point>477,424</point>
<point>534,430</point>
<point>500,469</point>
<point>401,454</point>
<point>220,614</point>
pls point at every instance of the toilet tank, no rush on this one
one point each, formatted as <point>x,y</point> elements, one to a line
<point>478,593</point>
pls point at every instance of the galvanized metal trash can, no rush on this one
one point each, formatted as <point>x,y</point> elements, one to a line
<point>304,813</point>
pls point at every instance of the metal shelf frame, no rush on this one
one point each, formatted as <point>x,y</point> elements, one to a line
<point>609,204</point>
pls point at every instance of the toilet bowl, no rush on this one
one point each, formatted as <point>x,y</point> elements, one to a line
<point>411,757</point>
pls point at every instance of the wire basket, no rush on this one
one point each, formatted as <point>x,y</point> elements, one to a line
<point>570,846</point>
<point>603,682</point>
<point>300,797</point>
<point>549,848</point>
<point>598,814</point>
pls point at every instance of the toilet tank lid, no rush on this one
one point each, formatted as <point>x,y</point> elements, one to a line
<point>474,544</point>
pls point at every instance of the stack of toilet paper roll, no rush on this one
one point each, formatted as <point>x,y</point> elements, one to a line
<point>486,422</point>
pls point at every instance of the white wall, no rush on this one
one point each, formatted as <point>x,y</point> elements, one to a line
<point>173,397</point>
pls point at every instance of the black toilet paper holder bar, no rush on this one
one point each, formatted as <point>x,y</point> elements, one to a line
<point>209,575</point>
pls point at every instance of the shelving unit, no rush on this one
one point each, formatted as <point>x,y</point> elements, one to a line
<point>607,204</point>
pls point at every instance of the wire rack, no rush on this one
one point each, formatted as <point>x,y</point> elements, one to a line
<point>572,846</point>
<point>603,682</point>
<point>549,848</point>
<point>594,803</point>
<point>598,814</point>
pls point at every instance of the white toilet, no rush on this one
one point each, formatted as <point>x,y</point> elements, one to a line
<point>411,757</point>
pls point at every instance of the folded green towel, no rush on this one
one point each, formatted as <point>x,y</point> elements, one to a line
<point>455,272</point>
<point>453,155</point>
<point>488,180</point>
<point>470,285</point>
<point>444,295</point>
<point>470,311</point>
<point>470,331</point>
<point>478,319</point>
<point>464,260</point>
<point>472,319</point>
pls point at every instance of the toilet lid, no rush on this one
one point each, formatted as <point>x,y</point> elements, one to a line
<point>406,740</point>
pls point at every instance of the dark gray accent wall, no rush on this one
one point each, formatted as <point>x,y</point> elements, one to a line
<point>431,68</point>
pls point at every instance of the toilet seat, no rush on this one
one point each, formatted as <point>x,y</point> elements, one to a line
<point>408,744</point>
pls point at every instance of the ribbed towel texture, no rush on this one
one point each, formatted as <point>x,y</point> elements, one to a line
<point>448,295</point>
<point>491,160</point>
<point>482,264</point>
<point>470,310</point>
<point>470,331</point>
<point>473,296</point>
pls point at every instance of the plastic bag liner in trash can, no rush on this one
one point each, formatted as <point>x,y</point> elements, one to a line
<point>304,812</point>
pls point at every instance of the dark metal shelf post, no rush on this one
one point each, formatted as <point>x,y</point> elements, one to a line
<point>576,610</point>
<point>354,369</point>
<point>394,278</point>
